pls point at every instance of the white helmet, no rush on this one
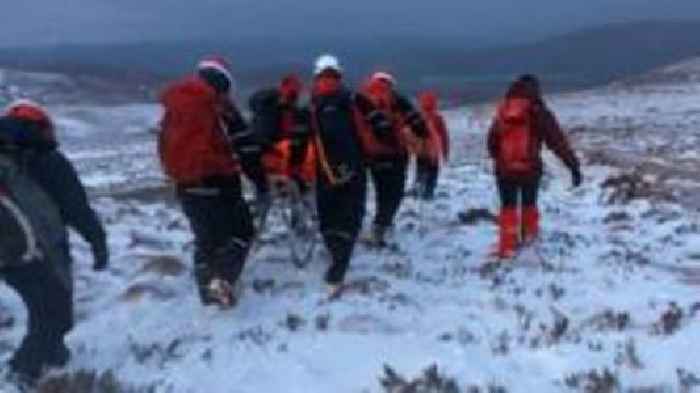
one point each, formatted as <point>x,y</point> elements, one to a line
<point>327,62</point>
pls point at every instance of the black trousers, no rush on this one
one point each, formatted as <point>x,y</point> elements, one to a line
<point>223,229</point>
<point>47,292</point>
<point>427,174</point>
<point>389,180</point>
<point>341,210</point>
<point>511,189</point>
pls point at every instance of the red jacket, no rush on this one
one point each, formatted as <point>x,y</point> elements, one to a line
<point>404,119</point>
<point>437,143</point>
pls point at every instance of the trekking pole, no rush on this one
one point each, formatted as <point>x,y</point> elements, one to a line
<point>260,222</point>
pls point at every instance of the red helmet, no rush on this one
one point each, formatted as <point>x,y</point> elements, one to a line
<point>428,101</point>
<point>32,112</point>
<point>290,87</point>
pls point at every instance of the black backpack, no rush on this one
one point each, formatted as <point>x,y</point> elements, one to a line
<point>31,223</point>
<point>336,127</point>
<point>265,122</point>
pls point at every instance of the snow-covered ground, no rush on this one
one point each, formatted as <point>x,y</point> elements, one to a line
<point>611,290</point>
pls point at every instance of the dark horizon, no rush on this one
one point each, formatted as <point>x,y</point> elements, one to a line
<point>76,22</point>
<point>571,60</point>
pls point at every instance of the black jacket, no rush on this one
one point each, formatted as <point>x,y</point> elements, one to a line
<point>270,123</point>
<point>57,177</point>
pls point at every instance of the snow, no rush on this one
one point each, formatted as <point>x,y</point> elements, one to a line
<point>429,303</point>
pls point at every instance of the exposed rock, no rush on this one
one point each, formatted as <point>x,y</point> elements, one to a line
<point>627,187</point>
<point>138,291</point>
<point>323,322</point>
<point>670,321</point>
<point>294,322</point>
<point>593,381</point>
<point>164,265</point>
<point>609,320</point>
<point>431,381</point>
<point>261,286</point>
<point>617,217</point>
<point>687,381</point>
<point>477,216</point>
<point>83,381</point>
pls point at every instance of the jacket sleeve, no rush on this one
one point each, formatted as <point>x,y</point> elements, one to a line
<point>233,119</point>
<point>60,180</point>
<point>556,140</point>
<point>245,145</point>
<point>412,116</point>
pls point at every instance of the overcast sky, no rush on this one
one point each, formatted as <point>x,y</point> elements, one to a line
<point>39,22</point>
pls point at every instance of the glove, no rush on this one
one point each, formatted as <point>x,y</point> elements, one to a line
<point>101,258</point>
<point>576,177</point>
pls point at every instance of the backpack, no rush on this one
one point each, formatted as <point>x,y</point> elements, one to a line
<point>336,124</point>
<point>265,122</point>
<point>193,144</point>
<point>516,155</point>
<point>32,227</point>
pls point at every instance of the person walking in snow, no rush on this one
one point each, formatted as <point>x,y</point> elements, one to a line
<point>197,145</point>
<point>281,128</point>
<point>522,125</point>
<point>388,153</point>
<point>436,148</point>
<point>40,196</point>
<point>338,118</point>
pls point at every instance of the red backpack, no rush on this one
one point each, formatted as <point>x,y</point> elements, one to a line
<point>192,143</point>
<point>516,155</point>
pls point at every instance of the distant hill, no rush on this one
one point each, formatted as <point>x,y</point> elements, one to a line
<point>453,65</point>
<point>585,58</point>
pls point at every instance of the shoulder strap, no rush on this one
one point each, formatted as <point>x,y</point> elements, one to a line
<point>8,172</point>
<point>320,150</point>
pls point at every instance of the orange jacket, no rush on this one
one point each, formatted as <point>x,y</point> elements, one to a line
<point>437,144</point>
<point>278,161</point>
<point>407,126</point>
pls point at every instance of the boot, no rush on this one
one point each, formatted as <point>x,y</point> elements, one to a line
<point>334,290</point>
<point>203,276</point>
<point>23,382</point>
<point>59,356</point>
<point>531,224</point>
<point>508,237</point>
<point>223,293</point>
<point>229,260</point>
<point>25,368</point>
